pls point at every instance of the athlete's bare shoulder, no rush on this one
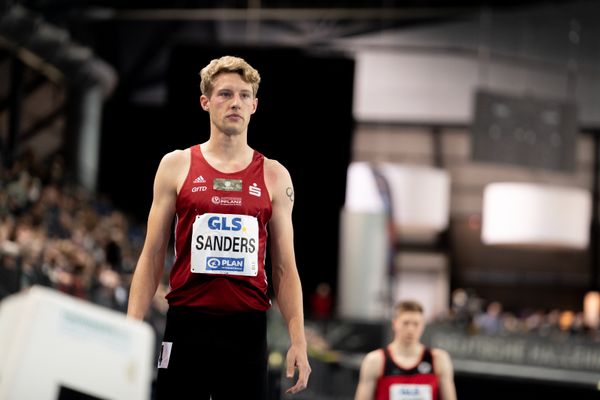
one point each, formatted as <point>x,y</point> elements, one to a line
<point>441,360</point>
<point>277,176</point>
<point>435,352</point>
<point>375,356</point>
<point>274,166</point>
<point>372,364</point>
<point>176,158</point>
<point>174,167</point>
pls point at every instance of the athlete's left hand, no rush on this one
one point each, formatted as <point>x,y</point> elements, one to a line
<point>297,358</point>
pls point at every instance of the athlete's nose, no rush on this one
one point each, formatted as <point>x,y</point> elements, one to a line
<point>235,103</point>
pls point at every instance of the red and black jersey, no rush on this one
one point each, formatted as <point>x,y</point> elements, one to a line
<point>207,190</point>
<point>416,383</point>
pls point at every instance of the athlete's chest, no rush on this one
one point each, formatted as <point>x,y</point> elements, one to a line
<point>206,190</point>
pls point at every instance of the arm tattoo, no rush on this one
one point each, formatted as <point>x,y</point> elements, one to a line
<point>290,193</point>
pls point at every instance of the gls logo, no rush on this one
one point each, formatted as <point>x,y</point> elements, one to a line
<point>224,224</point>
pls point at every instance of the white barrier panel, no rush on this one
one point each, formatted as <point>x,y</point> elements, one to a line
<point>364,249</point>
<point>420,195</point>
<point>536,215</point>
<point>57,347</point>
<point>423,276</point>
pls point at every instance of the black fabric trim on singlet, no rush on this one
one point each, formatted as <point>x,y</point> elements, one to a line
<point>392,369</point>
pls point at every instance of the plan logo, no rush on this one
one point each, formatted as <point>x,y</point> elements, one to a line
<point>227,264</point>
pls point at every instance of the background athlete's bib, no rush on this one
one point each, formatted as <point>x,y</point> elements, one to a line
<point>404,391</point>
<point>225,244</point>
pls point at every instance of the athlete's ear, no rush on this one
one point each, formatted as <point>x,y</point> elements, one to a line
<point>204,102</point>
<point>255,105</point>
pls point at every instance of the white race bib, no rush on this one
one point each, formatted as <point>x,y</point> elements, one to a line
<point>225,244</point>
<point>404,391</point>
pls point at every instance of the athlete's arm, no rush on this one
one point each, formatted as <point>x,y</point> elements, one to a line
<point>150,265</point>
<point>445,372</point>
<point>370,370</point>
<point>286,281</point>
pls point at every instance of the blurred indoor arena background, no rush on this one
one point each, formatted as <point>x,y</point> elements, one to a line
<point>447,151</point>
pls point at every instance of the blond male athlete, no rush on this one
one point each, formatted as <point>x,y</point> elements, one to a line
<point>226,199</point>
<point>406,369</point>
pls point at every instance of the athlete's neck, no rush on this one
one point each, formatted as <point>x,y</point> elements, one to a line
<point>226,147</point>
<point>406,350</point>
<point>225,156</point>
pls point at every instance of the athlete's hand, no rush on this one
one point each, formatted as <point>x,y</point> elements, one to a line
<point>297,358</point>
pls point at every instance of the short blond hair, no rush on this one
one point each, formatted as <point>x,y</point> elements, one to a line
<point>237,65</point>
<point>408,306</point>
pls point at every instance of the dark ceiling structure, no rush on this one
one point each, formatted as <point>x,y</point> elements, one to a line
<point>374,14</point>
<point>155,23</point>
<point>124,45</point>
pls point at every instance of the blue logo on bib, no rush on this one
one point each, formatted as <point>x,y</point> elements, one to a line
<point>223,223</point>
<point>225,264</point>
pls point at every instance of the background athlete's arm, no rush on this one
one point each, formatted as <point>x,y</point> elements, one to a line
<point>370,370</point>
<point>286,281</point>
<point>150,265</point>
<point>445,373</point>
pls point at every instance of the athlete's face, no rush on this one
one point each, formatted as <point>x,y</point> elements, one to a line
<point>230,104</point>
<point>408,326</point>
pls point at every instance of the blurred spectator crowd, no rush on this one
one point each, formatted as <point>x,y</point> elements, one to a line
<point>479,316</point>
<point>56,234</point>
